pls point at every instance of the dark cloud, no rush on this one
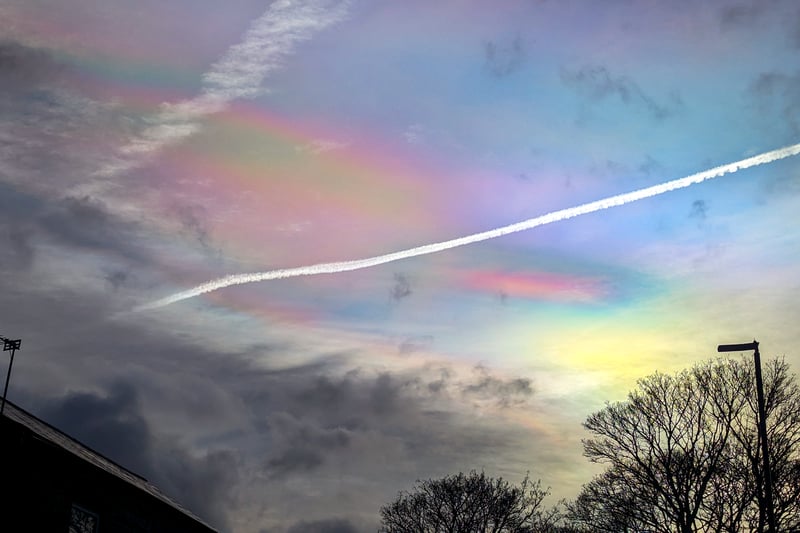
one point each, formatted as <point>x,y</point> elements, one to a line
<point>649,165</point>
<point>22,67</point>
<point>334,525</point>
<point>17,253</point>
<point>117,278</point>
<point>401,288</point>
<point>303,446</point>
<point>778,15</point>
<point>598,83</point>
<point>503,60</point>
<point>779,92</point>
<point>699,210</point>
<point>193,220</point>
<point>79,224</point>
<point>385,394</point>
<point>415,344</point>
<point>504,393</point>
<point>113,424</point>
<point>167,405</point>
<point>86,223</point>
<point>110,424</point>
<point>742,14</point>
<point>51,135</point>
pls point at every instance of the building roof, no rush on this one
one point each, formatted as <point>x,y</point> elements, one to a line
<point>60,439</point>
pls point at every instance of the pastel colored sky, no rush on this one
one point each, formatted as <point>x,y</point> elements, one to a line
<point>147,147</point>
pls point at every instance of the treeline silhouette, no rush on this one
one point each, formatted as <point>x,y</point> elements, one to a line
<point>682,455</point>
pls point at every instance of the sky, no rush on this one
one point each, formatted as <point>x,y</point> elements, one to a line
<point>147,148</point>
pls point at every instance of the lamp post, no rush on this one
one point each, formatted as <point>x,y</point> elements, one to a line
<point>9,346</point>
<point>762,423</point>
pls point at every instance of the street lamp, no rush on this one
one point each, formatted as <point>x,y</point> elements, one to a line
<point>762,422</point>
<point>9,346</point>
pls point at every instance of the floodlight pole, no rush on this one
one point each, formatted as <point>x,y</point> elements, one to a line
<point>762,423</point>
<point>9,346</point>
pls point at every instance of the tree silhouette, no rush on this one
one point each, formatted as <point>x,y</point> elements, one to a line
<point>469,503</point>
<point>683,453</point>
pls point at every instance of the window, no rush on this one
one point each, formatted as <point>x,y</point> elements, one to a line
<point>82,521</point>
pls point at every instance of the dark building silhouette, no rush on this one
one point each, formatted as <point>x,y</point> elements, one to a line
<point>52,482</point>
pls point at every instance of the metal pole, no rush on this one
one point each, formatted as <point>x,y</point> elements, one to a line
<point>12,346</point>
<point>762,424</point>
<point>762,430</point>
<point>8,376</point>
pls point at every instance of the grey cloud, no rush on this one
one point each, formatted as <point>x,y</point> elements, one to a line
<point>51,137</point>
<point>117,278</point>
<point>22,67</point>
<point>504,393</point>
<point>598,83</point>
<point>78,224</point>
<point>649,165</point>
<point>415,344</point>
<point>741,14</point>
<point>303,445</point>
<point>401,288</point>
<point>385,393</point>
<point>292,460</point>
<point>776,91</point>
<point>502,61</point>
<point>18,254</point>
<point>193,220</point>
<point>87,223</point>
<point>334,525</point>
<point>172,409</point>
<point>699,210</point>
<point>780,15</point>
<point>114,425</point>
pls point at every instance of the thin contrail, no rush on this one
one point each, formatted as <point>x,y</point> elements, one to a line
<point>555,216</point>
<point>238,74</point>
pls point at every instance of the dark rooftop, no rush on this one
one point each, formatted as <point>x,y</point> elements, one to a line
<point>52,435</point>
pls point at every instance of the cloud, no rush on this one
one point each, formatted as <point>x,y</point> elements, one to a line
<point>598,83</point>
<point>22,67</point>
<point>87,223</point>
<point>113,425</point>
<point>321,146</point>
<point>234,432</point>
<point>193,220</point>
<point>16,248</point>
<point>303,446</point>
<point>117,278</point>
<point>782,15</point>
<point>78,225</point>
<point>776,91</point>
<point>699,210</point>
<point>502,61</point>
<point>415,344</point>
<point>49,134</point>
<point>238,74</point>
<point>401,288</point>
<point>333,525</point>
<point>504,393</point>
<point>416,134</point>
<point>742,14</point>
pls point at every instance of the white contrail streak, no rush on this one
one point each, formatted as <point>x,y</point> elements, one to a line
<point>238,74</point>
<point>555,216</point>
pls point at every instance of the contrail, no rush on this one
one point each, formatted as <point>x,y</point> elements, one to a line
<point>239,73</point>
<point>549,218</point>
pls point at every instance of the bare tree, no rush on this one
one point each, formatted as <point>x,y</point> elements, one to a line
<point>470,503</point>
<point>684,456</point>
<point>612,503</point>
